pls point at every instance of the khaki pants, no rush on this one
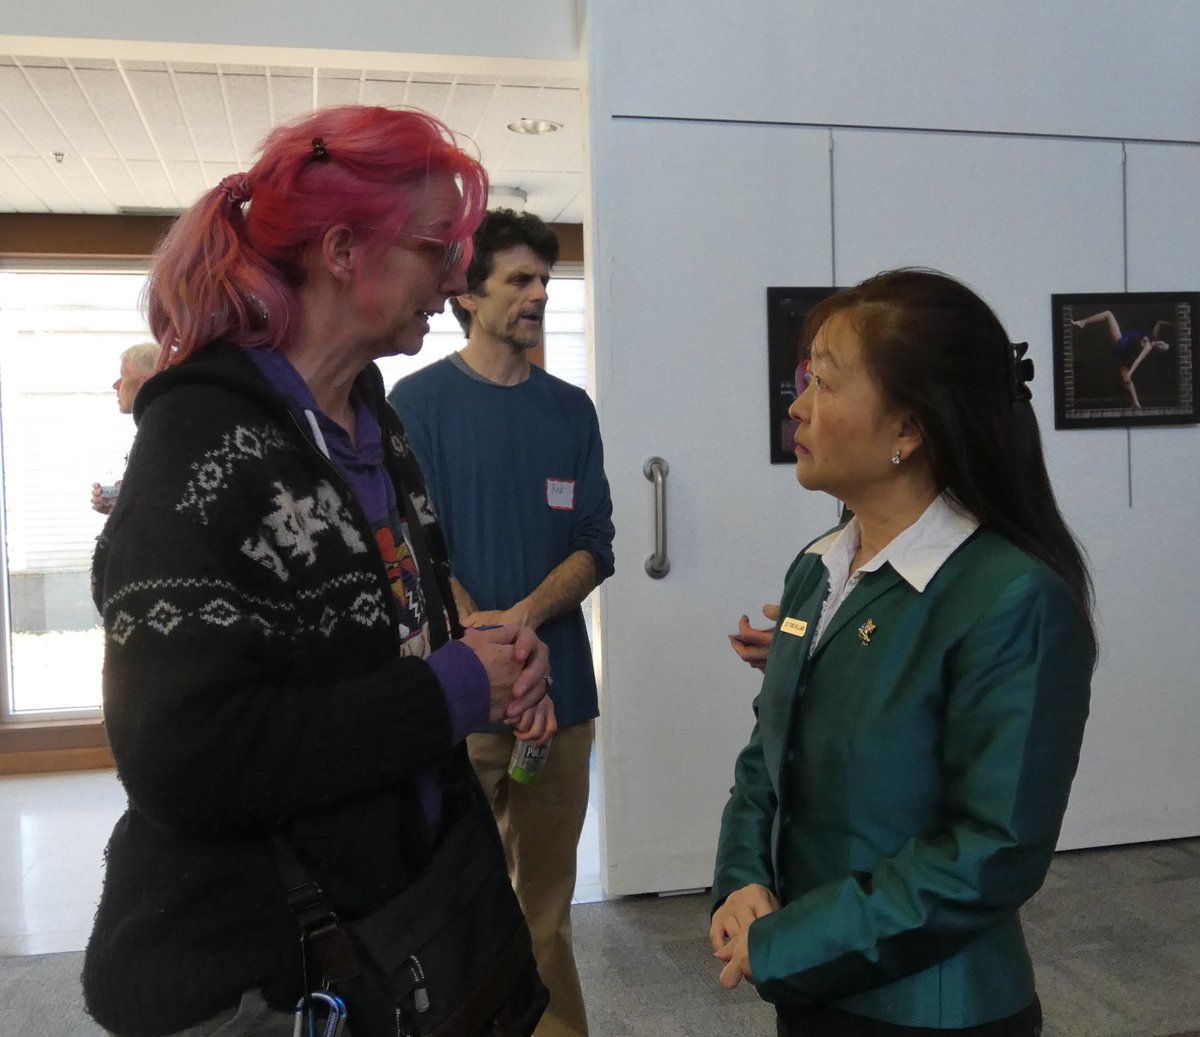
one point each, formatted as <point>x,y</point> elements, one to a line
<point>540,826</point>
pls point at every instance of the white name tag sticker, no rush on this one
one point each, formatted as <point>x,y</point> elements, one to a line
<point>560,494</point>
<point>795,627</point>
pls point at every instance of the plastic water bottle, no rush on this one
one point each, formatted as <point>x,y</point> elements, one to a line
<point>526,763</point>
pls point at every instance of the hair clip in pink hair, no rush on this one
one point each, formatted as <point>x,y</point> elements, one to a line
<point>236,187</point>
<point>318,146</point>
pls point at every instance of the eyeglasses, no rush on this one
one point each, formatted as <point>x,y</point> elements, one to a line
<point>452,251</point>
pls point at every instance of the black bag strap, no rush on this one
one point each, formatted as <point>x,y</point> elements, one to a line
<point>319,925</point>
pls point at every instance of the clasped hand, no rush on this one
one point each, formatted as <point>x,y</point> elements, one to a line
<point>730,930</point>
<point>517,663</point>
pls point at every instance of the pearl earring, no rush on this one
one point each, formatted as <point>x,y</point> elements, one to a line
<point>896,457</point>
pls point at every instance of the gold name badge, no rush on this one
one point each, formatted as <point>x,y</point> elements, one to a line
<point>795,627</point>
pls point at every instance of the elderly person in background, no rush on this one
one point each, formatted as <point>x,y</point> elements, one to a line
<point>138,364</point>
<point>283,658</point>
<point>925,691</point>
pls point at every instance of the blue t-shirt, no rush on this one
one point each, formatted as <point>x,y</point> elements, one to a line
<point>516,474</point>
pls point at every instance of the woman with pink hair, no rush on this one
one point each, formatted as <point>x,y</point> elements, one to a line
<point>287,686</point>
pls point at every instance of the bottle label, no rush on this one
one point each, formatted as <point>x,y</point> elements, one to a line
<point>525,764</point>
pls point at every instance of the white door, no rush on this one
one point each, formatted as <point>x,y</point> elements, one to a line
<point>683,375</point>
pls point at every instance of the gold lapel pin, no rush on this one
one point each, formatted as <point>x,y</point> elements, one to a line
<point>865,631</point>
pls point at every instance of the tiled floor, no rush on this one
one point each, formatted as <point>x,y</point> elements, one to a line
<point>53,829</point>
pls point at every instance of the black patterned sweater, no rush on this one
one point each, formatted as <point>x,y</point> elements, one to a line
<point>252,683</point>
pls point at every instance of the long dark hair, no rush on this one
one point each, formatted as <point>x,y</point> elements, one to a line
<point>939,353</point>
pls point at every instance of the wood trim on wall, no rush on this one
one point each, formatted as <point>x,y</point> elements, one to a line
<point>43,236</point>
<point>63,745</point>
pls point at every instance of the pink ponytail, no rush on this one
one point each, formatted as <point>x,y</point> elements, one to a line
<point>229,270</point>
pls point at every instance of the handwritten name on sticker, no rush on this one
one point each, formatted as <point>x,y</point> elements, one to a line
<point>560,494</point>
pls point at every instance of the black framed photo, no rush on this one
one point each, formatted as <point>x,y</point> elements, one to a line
<point>787,309</point>
<point>1123,359</point>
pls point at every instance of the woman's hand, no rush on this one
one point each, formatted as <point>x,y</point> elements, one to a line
<point>753,643</point>
<point>730,930</point>
<point>517,664</point>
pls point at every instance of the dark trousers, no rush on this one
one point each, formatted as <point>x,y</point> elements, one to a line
<point>821,1021</point>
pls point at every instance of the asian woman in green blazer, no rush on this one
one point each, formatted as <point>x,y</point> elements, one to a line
<point>925,692</point>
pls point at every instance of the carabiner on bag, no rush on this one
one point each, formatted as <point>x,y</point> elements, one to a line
<point>309,1010</point>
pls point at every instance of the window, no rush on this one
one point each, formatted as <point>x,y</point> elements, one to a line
<point>62,332</point>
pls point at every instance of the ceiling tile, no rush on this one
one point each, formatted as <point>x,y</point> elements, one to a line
<point>108,94</point>
<point>157,192</point>
<point>246,96</point>
<point>203,106</point>
<point>25,108</point>
<point>242,70</point>
<point>192,179</point>
<point>76,176</point>
<point>13,142</point>
<point>16,195</point>
<point>290,96</point>
<point>429,96</point>
<point>118,186</point>
<point>336,91</point>
<point>159,105</point>
<point>387,92</point>
<point>38,176</point>
<point>69,106</point>
<point>468,108</point>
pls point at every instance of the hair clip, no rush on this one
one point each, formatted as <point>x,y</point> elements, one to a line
<point>236,187</point>
<point>318,148</point>
<point>1020,371</point>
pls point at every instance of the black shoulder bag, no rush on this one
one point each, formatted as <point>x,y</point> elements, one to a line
<point>449,956</point>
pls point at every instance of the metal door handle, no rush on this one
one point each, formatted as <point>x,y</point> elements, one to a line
<point>655,469</point>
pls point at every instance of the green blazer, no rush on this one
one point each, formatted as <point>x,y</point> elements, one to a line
<point>903,788</point>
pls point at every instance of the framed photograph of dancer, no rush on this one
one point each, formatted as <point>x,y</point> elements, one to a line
<point>1124,359</point>
<point>787,309</point>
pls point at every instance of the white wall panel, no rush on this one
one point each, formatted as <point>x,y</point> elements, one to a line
<point>681,356</point>
<point>1105,68</point>
<point>1140,757</point>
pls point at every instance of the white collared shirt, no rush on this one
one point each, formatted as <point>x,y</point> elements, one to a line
<point>916,554</point>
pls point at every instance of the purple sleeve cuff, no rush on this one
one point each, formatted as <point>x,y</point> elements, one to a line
<point>465,687</point>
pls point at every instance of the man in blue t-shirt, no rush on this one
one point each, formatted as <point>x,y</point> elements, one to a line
<point>515,466</point>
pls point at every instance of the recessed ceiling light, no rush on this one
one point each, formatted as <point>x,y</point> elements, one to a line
<point>534,126</point>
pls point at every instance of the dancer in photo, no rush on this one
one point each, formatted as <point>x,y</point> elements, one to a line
<point>1130,347</point>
